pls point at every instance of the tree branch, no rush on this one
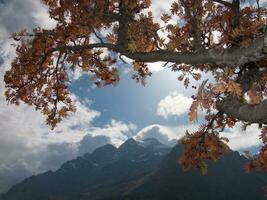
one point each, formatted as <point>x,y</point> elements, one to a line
<point>233,107</point>
<point>244,111</point>
<point>123,26</point>
<point>236,11</point>
<point>235,7</point>
<point>225,3</point>
<point>196,32</point>
<point>82,47</point>
<point>232,56</point>
<point>98,37</point>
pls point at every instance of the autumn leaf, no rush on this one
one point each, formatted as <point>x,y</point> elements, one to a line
<point>186,82</point>
<point>219,88</point>
<point>234,88</point>
<point>193,111</point>
<point>196,76</point>
<point>165,18</point>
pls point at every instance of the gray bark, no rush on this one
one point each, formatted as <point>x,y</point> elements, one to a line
<point>244,111</point>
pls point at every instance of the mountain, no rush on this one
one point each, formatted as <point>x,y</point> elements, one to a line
<point>107,171</point>
<point>141,170</point>
<point>225,180</point>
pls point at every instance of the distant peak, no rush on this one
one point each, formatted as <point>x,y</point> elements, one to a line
<point>130,144</point>
<point>105,148</point>
<point>103,154</point>
<point>130,141</point>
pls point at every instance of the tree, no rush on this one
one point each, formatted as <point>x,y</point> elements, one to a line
<point>238,61</point>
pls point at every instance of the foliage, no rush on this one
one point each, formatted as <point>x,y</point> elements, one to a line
<point>39,73</point>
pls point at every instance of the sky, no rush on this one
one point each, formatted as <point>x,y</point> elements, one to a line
<point>104,115</point>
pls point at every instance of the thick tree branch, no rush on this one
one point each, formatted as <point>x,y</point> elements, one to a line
<point>232,56</point>
<point>249,74</point>
<point>244,111</point>
<point>123,26</point>
<point>233,107</point>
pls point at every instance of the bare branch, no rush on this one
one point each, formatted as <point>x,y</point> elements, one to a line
<point>98,37</point>
<point>83,47</point>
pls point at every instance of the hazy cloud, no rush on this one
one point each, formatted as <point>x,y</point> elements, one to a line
<point>89,143</point>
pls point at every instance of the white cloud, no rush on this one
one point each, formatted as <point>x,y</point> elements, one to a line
<point>117,131</point>
<point>165,134</point>
<point>160,7</point>
<point>155,67</point>
<point>175,104</point>
<point>17,14</point>
<point>242,140</point>
<point>239,140</point>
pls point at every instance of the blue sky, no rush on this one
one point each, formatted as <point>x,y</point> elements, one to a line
<point>130,100</point>
<point>104,115</point>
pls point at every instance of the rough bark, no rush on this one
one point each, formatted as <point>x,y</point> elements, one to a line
<point>244,111</point>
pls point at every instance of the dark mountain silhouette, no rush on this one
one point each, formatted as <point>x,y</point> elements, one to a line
<point>140,170</point>
<point>225,180</point>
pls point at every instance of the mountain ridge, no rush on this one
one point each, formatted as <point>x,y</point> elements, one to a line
<point>106,167</point>
<point>141,170</point>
